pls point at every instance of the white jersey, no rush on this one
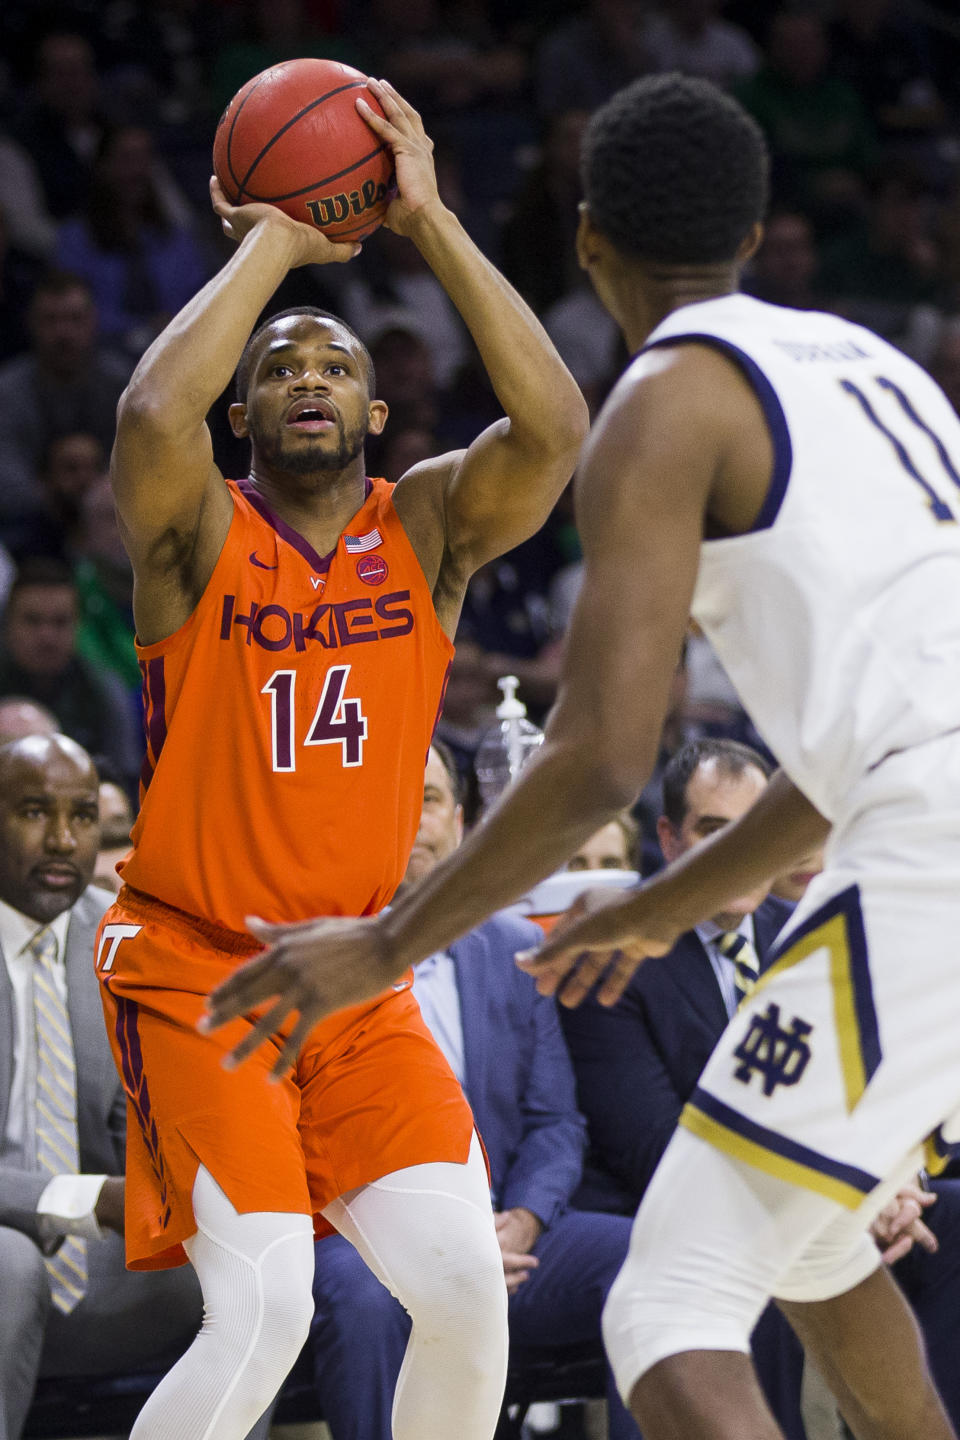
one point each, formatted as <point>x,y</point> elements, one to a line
<point>838,616</point>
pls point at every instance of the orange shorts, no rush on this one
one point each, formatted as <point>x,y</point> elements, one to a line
<point>371,1092</point>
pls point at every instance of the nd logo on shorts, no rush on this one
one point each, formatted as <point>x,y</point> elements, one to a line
<point>372,569</point>
<point>769,1049</point>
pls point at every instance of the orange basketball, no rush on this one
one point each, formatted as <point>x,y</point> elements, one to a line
<point>293,137</point>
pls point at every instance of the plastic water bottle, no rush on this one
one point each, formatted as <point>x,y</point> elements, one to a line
<point>507,746</point>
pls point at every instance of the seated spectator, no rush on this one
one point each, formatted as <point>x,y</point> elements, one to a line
<point>613,847</point>
<point>793,886</point>
<point>538,241</point>
<point>116,822</point>
<point>70,1307</point>
<point>104,579</point>
<point>503,1041</point>
<point>887,56</point>
<point>878,271</point>
<point>637,1062</point>
<point>944,363</point>
<point>69,467</point>
<point>63,120</point>
<point>785,269</point>
<point>269,31</point>
<point>584,59</point>
<point>63,384</point>
<point>589,341</point>
<point>39,659</point>
<point>821,138</point>
<point>19,273</point>
<point>142,266</point>
<point>443,59</point>
<point>29,227</point>
<point>20,717</point>
<point>391,275</point>
<point>690,36</point>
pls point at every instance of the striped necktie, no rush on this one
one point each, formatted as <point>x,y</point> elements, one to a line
<point>56,1117</point>
<point>746,964</point>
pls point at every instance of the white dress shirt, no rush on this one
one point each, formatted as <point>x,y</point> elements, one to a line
<point>67,1204</point>
<point>435,986</point>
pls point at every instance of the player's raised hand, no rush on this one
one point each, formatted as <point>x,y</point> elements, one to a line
<point>599,942</point>
<point>313,968</point>
<point>402,129</point>
<point>312,246</point>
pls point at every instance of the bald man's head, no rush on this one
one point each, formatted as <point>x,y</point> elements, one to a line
<point>49,824</point>
<point>20,716</point>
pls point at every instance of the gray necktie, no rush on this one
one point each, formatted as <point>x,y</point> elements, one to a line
<point>56,1118</point>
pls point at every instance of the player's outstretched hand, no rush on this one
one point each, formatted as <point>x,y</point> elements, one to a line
<point>313,247</point>
<point>599,942</point>
<point>402,129</point>
<point>313,968</point>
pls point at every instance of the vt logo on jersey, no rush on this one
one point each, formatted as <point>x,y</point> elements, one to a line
<point>779,1055</point>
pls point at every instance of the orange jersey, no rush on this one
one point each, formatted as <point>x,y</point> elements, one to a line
<point>288,722</point>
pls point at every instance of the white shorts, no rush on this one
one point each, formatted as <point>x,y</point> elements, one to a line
<point>823,1091</point>
<point>845,1058</point>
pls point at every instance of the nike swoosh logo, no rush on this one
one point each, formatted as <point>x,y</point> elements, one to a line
<point>259,563</point>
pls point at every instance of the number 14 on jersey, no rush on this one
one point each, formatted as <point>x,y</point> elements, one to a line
<point>336,720</point>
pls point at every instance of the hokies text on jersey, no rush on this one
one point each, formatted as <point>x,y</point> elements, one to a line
<point>330,625</point>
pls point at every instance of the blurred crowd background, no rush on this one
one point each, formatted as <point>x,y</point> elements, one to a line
<point>107,115</point>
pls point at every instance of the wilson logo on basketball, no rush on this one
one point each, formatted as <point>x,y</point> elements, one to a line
<point>334,209</point>
<point>372,569</point>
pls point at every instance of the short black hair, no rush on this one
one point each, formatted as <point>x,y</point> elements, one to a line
<point>731,758</point>
<point>445,755</point>
<point>675,171</point>
<point>41,572</point>
<point>242,379</point>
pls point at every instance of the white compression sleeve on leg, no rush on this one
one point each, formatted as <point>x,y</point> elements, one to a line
<point>256,1274</point>
<point>427,1233</point>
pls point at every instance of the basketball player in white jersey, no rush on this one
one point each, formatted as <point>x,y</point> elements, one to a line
<point>795,483</point>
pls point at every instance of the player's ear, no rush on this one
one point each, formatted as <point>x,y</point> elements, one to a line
<point>589,239</point>
<point>667,839</point>
<point>377,417</point>
<point>750,243</point>
<point>237,415</point>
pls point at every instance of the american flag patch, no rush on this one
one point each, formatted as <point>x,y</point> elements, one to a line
<point>357,544</point>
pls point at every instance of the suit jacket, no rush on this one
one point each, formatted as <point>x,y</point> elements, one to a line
<point>637,1063</point>
<point>101,1104</point>
<point>518,1076</point>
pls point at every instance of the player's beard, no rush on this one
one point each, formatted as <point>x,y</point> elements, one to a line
<point>300,459</point>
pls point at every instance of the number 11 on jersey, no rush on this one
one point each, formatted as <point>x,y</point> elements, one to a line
<point>336,721</point>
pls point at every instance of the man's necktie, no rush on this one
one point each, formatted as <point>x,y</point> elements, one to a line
<point>746,965</point>
<point>56,1118</point>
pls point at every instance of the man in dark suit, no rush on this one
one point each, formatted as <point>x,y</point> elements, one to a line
<point>69,1305</point>
<point>504,1043</point>
<point>637,1062</point>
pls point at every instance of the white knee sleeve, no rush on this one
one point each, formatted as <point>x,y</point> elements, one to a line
<point>256,1273</point>
<point>427,1233</point>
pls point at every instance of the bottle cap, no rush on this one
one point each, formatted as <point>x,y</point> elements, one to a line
<point>510,708</point>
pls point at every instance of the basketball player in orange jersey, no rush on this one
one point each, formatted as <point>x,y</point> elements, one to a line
<point>295,631</point>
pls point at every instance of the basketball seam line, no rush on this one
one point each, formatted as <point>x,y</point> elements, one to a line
<point>352,85</point>
<point>233,123</point>
<point>317,184</point>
